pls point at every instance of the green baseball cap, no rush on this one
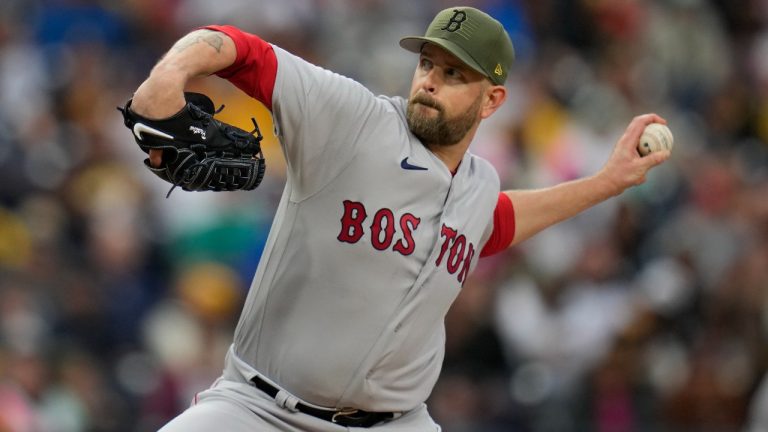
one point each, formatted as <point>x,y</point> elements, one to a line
<point>473,36</point>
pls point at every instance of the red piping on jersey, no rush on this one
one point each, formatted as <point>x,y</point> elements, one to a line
<point>255,68</point>
<point>503,227</point>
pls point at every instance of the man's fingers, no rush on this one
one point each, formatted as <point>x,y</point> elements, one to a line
<point>644,120</point>
<point>155,158</point>
<point>656,158</point>
<point>636,127</point>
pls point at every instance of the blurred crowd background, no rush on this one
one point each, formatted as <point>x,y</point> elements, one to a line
<point>646,313</point>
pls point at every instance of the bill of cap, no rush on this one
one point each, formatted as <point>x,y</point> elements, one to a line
<point>415,43</point>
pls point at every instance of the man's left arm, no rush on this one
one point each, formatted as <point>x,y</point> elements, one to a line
<point>535,210</point>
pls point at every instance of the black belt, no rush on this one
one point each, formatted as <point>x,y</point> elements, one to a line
<point>344,417</point>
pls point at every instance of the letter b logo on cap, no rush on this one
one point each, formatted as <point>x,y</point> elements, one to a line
<point>455,22</point>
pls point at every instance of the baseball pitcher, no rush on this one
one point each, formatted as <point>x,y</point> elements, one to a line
<point>384,215</point>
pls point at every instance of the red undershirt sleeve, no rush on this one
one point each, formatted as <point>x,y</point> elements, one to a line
<point>255,68</point>
<point>503,227</point>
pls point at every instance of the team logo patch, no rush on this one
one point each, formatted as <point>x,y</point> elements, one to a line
<point>454,24</point>
<point>498,71</point>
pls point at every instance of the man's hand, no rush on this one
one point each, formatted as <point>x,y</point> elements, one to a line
<point>625,167</point>
<point>159,97</point>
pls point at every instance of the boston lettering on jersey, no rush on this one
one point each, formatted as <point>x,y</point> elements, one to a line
<point>455,249</point>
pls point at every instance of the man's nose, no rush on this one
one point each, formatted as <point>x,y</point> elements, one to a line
<point>431,82</point>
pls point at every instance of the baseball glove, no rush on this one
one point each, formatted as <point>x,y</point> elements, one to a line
<point>200,153</point>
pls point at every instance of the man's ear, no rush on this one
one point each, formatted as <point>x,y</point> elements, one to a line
<point>495,97</point>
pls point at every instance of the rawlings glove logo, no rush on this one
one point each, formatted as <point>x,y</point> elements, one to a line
<point>198,131</point>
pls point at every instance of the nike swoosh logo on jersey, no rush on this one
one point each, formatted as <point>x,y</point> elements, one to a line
<point>405,165</point>
<point>140,128</point>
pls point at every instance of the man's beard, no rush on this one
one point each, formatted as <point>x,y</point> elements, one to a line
<point>439,130</point>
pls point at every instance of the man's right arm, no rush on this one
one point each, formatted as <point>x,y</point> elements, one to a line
<point>199,53</point>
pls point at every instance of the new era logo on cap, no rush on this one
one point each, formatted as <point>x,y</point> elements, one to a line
<point>473,36</point>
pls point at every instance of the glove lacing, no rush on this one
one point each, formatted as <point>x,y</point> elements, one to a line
<point>238,138</point>
<point>186,176</point>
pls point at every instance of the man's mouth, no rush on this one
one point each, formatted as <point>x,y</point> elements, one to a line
<point>427,106</point>
<point>427,103</point>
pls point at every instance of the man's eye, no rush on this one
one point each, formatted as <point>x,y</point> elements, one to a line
<point>453,73</point>
<point>426,64</point>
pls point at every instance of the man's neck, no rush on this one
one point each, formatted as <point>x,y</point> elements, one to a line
<point>452,155</point>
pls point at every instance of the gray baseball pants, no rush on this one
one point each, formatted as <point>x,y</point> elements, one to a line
<point>231,406</point>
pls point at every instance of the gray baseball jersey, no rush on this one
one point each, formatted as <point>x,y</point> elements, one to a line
<point>371,243</point>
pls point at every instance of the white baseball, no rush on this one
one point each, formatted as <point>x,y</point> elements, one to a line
<point>655,137</point>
